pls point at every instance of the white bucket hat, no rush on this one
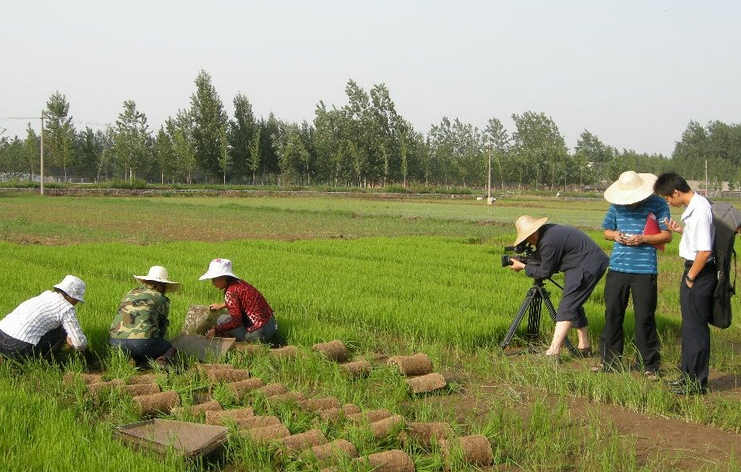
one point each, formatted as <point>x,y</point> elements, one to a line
<point>73,287</point>
<point>217,268</point>
<point>631,187</point>
<point>527,225</point>
<point>159,274</point>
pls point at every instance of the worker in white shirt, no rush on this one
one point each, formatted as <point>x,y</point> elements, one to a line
<point>40,325</point>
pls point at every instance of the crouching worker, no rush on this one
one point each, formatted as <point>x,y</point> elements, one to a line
<point>39,326</point>
<point>140,325</point>
<point>568,250</point>
<point>250,317</point>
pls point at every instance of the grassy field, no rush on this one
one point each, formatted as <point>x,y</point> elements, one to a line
<point>389,276</point>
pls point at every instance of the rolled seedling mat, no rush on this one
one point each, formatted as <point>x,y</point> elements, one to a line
<point>296,443</point>
<point>272,389</point>
<point>227,375</point>
<point>386,426</point>
<point>285,351</point>
<point>326,453</point>
<point>223,416</point>
<point>288,397</point>
<point>318,404</point>
<point>332,350</point>
<point>256,422</point>
<point>136,390</point>
<point>357,369</point>
<point>417,364</point>
<point>370,416</point>
<point>99,388</point>
<point>390,461</point>
<point>159,435</point>
<point>198,409</point>
<point>267,433</point>
<point>87,379</point>
<point>163,402</point>
<point>426,383</point>
<point>335,414</point>
<point>475,450</point>
<point>142,379</point>
<point>206,368</point>
<point>425,434</point>
<point>242,387</point>
<point>250,348</point>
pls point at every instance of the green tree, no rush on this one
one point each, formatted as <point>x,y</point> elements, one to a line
<point>183,146</point>
<point>209,118</point>
<point>59,133</point>
<point>241,134</point>
<point>224,157</point>
<point>31,150</point>
<point>499,143</point>
<point>165,155</point>
<point>539,148</point>
<point>253,163</point>
<point>130,140</point>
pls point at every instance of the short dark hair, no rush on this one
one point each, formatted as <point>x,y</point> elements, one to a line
<point>668,182</point>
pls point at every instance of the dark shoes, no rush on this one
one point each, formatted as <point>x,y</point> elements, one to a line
<point>685,386</point>
<point>584,352</point>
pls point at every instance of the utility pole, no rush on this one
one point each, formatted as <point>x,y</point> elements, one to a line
<point>489,200</point>
<point>41,167</point>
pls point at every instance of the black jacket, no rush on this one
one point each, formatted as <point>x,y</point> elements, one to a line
<point>562,249</point>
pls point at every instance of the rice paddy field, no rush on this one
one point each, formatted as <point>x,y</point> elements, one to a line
<point>387,276</point>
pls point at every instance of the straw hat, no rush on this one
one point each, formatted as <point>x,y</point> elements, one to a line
<point>527,225</point>
<point>631,187</point>
<point>159,274</point>
<point>73,287</point>
<point>217,268</point>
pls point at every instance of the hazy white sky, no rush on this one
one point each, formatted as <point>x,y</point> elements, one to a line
<point>632,72</point>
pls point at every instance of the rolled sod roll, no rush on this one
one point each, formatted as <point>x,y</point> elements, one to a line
<point>272,389</point>
<point>318,404</point>
<point>285,351</point>
<point>249,348</point>
<point>242,387</point>
<point>136,390</point>
<point>332,350</point>
<point>267,433</point>
<point>256,422</point>
<point>475,450</point>
<point>426,383</point>
<point>417,364</point>
<point>99,388</point>
<point>298,442</point>
<point>326,453</point>
<point>357,369</point>
<point>227,375</point>
<point>426,433</point>
<point>87,379</point>
<point>217,417</point>
<point>370,416</point>
<point>390,461</point>
<point>335,414</point>
<point>163,402</point>
<point>386,426</point>
<point>142,379</point>
<point>199,409</point>
<point>296,397</point>
<point>206,368</point>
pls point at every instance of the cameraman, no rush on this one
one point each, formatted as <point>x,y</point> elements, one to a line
<point>568,250</point>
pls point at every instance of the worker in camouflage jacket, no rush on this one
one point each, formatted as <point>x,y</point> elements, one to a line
<point>140,325</point>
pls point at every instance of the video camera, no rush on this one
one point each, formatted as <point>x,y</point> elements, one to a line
<point>526,254</point>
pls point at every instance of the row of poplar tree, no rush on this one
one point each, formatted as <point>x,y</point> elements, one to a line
<point>364,143</point>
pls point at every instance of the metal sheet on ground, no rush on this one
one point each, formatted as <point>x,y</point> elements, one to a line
<point>189,439</point>
<point>203,348</point>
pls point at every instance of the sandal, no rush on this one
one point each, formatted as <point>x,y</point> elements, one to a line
<point>584,352</point>
<point>651,375</point>
<point>596,369</point>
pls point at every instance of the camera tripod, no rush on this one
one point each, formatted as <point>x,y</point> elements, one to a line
<point>533,305</point>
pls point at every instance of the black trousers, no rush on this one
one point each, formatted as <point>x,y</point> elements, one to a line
<point>619,286</point>
<point>19,350</point>
<point>696,303</point>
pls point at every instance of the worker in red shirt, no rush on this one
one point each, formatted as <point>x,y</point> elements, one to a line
<point>250,317</point>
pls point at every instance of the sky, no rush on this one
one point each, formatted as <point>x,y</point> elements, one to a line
<point>633,73</point>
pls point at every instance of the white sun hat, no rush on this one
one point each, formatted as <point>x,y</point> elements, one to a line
<point>159,274</point>
<point>631,187</point>
<point>527,225</point>
<point>217,268</point>
<point>73,287</point>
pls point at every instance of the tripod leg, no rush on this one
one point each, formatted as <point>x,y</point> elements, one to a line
<point>518,318</point>
<point>552,311</point>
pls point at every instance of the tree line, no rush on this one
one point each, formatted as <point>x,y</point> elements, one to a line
<point>365,143</point>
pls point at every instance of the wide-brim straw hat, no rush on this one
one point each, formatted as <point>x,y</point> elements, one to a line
<point>73,287</point>
<point>527,225</point>
<point>218,268</point>
<point>631,187</point>
<point>159,274</point>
